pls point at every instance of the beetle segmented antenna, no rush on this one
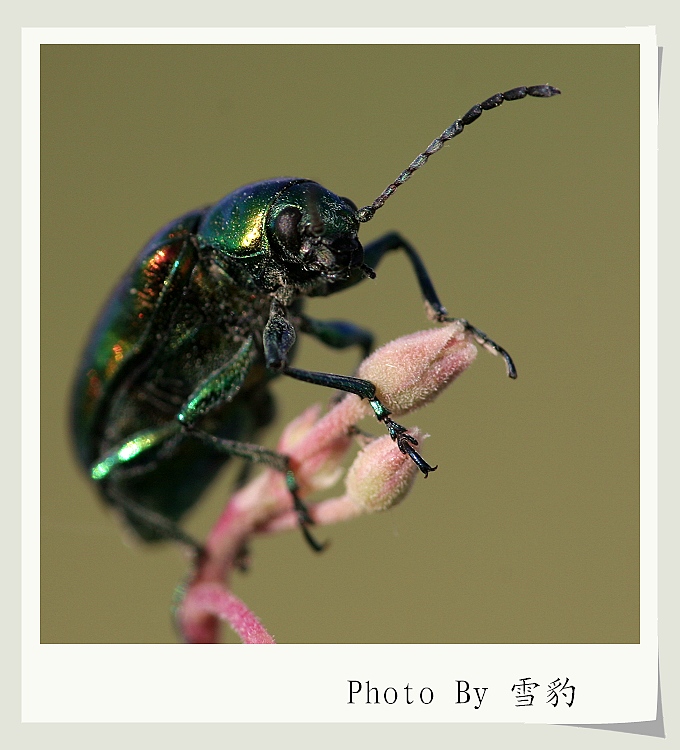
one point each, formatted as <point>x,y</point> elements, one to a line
<point>366,213</point>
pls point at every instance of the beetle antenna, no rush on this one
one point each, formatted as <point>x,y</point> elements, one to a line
<point>366,213</point>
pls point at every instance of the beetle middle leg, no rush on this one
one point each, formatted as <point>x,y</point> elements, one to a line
<point>338,334</point>
<point>374,252</point>
<point>277,461</point>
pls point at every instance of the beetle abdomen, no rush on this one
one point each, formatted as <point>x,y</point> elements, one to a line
<point>120,329</point>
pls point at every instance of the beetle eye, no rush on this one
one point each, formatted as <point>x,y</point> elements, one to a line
<point>286,227</point>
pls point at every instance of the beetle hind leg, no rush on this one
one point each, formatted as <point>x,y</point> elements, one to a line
<point>149,524</point>
<point>137,459</point>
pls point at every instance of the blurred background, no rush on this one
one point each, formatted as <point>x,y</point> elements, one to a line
<point>529,225</point>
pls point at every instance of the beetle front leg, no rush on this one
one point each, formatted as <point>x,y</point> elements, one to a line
<point>366,389</point>
<point>374,252</point>
<point>279,337</point>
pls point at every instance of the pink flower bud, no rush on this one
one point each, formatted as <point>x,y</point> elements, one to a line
<point>410,371</point>
<point>315,449</point>
<point>381,475</point>
<point>297,430</point>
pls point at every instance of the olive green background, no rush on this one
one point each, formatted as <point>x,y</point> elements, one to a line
<point>529,225</point>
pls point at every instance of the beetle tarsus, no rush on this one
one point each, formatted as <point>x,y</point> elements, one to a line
<point>405,442</point>
<point>489,344</point>
<point>435,310</point>
<point>311,541</point>
<point>305,520</point>
<point>302,512</point>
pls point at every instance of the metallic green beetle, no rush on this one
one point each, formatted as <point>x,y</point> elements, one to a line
<point>174,378</point>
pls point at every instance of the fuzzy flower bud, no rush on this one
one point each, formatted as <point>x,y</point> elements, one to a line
<point>381,475</point>
<point>410,371</point>
<point>315,450</point>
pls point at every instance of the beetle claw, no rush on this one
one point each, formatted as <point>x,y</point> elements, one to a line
<point>418,460</point>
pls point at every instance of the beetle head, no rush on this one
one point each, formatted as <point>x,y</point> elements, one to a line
<point>313,232</point>
<point>285,232</point>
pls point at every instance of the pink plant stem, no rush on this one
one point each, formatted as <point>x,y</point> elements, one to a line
<point>215,600</point>
<point>199,614</point>
<point>324,513</point>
